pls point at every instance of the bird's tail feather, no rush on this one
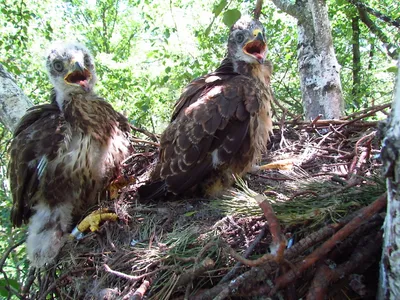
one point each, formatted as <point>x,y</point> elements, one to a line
<point>47,233</point>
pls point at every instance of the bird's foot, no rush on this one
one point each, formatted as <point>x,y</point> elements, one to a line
<point>118,183</point>
<point>92,222</point>
<point>284,164</point>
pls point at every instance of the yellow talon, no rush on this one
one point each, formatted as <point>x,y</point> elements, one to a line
<point>285,164</point>
<point>92,222</point>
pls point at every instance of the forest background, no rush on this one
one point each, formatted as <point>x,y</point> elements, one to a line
<point>147,51</point>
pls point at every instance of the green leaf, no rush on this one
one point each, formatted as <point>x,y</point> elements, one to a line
<point>219,7</point>
<point>190,213</point>
<point>392,69</point>
<point>231,16</point>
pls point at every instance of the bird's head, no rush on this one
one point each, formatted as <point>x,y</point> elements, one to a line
<point>247,41</point>
<point>71,68</point>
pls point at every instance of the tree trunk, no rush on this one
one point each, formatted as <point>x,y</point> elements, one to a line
<point>13,101</point>
<point>356,61</point>
<point>389,287</point>
<point>318,67</point>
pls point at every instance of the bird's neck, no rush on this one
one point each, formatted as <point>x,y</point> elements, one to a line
<point>261,72</point>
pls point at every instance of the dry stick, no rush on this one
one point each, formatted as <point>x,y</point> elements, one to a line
<point>248,251</point>
<point>131,277</point>
<point>363,112</point>
<point>326,276</point>
<point>8,251</point>
<point>29,281</point>
<point>328,122</point>
<point>307,262</point>
<point>145,142</point>
<point>278,241</point>
<point>257,10</point>
<point>302,193</point>
<point>139,293</point>
<point>260,273</point>
<point>272,178</point>
<point>338,191</point>
<point>61,278</point>
<point>371,113</point>
<point>145,132</point>
<point>196,271</point>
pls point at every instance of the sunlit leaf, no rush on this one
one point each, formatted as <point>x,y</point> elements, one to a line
<point>231,16</point>
<point>392,69</point>
<point>219,7</point>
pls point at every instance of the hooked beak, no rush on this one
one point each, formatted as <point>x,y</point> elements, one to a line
<point>257,47</point>
<point>79,75</point>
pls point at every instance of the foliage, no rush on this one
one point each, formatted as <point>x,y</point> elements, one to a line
<point>147,51</point>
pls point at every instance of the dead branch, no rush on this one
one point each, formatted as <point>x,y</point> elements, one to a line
<point>8,251</point>
<point>278,241</point>
<point>152,136</point>
<point>206,265</point>
<point>364,112</point>
<point>139,293</point>
<point>246,254</point>
<point>257,10</point>
<point>326,276</point>
<point>363,215</point>
<point>131,277</point>
<point>63,277</point>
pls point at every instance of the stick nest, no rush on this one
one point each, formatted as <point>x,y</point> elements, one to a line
<point>326,237</point>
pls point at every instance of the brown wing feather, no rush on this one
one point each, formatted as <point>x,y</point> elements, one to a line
<point>217,120</point>
<point>38,135</point>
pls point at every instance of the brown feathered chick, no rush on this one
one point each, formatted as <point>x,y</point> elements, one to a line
<point>63,153</point>
<point>221,122</point>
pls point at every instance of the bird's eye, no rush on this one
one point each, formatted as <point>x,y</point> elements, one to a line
<point>58,66</point>
<point>87,60</point>
<point>239,37</point>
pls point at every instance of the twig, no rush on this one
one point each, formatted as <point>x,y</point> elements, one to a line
<point>302,193</point>
<point>363,215</point>
<point>8,251</point>
<point>362,112</point>
<point>29,281</point>
<point>326,276</point>
<point>338,191</point>
<point>61,278</point>
<point>139,293</point>
<point>196,271</point>
<point>131,277</point>
<point>145,142</point>
<point>272,178</point>
<point>278,241</point>
<point>257,10</point>
<point>145,132</point>
<point>246,254</point>
<point>261,273</point>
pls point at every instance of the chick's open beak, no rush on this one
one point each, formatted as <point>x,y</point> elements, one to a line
<point>257,47</point>
<point>79,75</point>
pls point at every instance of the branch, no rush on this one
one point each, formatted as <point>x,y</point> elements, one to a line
<point>290,8</point>
<point>13,101</point>
<point>257,10</point>
<point>390,48</point>
<point>376,13</point>
<point>363,215</point>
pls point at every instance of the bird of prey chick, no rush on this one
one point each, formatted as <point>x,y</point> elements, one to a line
<point>221,122</point>
<point>63,153</point>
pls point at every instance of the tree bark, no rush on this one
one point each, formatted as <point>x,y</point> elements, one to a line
<point>389,287</point>
<point>318,67</point>
<point>356,60</point>
<point>13,101</point>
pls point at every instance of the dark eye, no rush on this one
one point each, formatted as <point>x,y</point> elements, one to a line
<point>239,37</point>
<point>58,66</point>
<point>87,60</point>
